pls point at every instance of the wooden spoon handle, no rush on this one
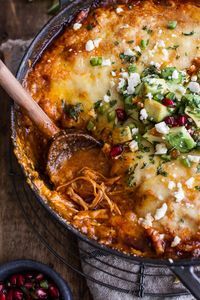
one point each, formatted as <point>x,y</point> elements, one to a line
<point>22,97</point>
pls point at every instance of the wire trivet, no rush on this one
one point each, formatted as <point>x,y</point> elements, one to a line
<point>71,251</point>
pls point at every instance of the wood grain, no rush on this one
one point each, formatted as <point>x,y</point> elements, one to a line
<point>20,19</point>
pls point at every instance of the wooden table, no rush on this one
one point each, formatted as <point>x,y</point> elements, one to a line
<point>22,20</point>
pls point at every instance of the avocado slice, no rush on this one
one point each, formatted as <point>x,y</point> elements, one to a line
<point>155,110</point>
<point>121,135</point>
<point>153,86</point>
<point>194,114</point>
<point>180,139</point>
<point>152,136</point>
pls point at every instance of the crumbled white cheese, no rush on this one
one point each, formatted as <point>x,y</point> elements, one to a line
<point>129,52</point>
<point>97,42</point>
<point>137,48</point>
<point>124,26</point>
<point>147,221</point>
<point>133,81</point>
<point>176,241</point>
<point>106,62</point>
<point>171,260</point>
<point>113,73</point>
<point>190,183</point>
<point>194,158</point>
<point>194,78</point>
<point>162,128</point>
<point>160,31</point>
<point>161,44</point>
<point>165,54</point>
<point>171,185</point>
<point>143,114</point>
<point>134,131</point>
<point>160,212</point>
<point>119,10</point>
<point>179,195</point>
<point>150,96</point>
<point>106,98</point>
<point>156,64</point>
<point>175,74</point>
<point>194,87</point>
<point>161,149</point>
<point>133,145</point>
<point>89,46</point>
<point>124,75</point>
<point>77,26</point>
<point>121,83</point>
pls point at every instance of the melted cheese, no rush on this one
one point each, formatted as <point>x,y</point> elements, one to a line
<point>66,73</point>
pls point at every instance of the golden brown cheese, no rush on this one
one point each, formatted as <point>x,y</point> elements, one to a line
<point>168,207</point>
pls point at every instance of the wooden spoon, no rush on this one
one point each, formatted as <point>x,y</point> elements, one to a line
<point>63,144</point>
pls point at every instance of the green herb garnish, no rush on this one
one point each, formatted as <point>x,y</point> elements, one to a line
<point>96,61</point>
<point>172,24</point>
<point>188,33</point>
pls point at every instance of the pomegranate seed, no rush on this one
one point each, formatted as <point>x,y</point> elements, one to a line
<point>41,294</point>
<point>9,295</point>
<point>116,150</point>
<point>171,121</point>
<point>168,102</point>
<point>20,280</point>
<point>18,295</point>
<point>1,287</point>
<point>13,279</point>
<point>28,285</point>
<point>39,277</point>
<point>121,114</point>
<point>54,292</point>
<point>2,296</point>
<point>182,120</point>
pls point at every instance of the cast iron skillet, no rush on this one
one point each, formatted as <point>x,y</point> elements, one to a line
<point>183,268</point>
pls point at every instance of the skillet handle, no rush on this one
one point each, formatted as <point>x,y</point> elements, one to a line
<point>64,2</point>
<point>189,279</point>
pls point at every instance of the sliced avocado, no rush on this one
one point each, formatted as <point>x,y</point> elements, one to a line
<point>180,139</point>
<point>155,110</point>
<point>121,135</point>
<point>152,136</point>
<point>194,114</point>
<point>153,86</point>
<point>177,89</point>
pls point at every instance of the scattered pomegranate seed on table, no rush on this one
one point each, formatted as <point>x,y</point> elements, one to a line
<point>28,287</point>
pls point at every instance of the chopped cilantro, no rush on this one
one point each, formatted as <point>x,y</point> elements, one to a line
<point>112,103</point>
<point>198,168</point>
<point>160,171</point>
<point>90,26</point>
<point>144,44</point>
<point>73,111</point>
<point>188,33</point>
<point>173,47</point>
<point>197,187</point>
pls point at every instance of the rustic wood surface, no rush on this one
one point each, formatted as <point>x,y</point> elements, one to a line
<point>22,20</point>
